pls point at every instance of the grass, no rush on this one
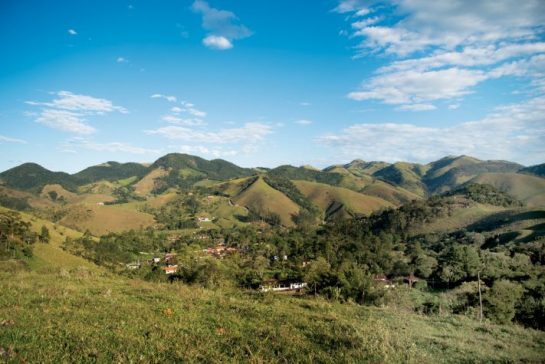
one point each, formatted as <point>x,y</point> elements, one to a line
<point>526,188</point>
<point>265,199</point>
<point>103,219</point>
<point>80,316</point>
<point>323,195</point>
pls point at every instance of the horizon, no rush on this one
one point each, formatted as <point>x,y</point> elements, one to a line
<point>150,163</point>
<point>85,83</point>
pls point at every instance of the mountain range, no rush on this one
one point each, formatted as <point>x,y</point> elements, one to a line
<point>338,191</point>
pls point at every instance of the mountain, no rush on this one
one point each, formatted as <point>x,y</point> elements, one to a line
<point>406,175</point>
<point>538,170</point>
<point>187,165</point>
<point>450,172</point>
<point>32,176</point>
<point>436,177</point>
<point>111,171</point>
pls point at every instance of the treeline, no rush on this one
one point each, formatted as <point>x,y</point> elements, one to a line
<point>17,238</point>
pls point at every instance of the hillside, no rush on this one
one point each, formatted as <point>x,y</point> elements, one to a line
<point>526,188</point>
<point>78,316</point>
<point>265,200</point>
<point>110,171</point>
<point>32,176</point>
<point>538,170</point>
<point>334,201</point>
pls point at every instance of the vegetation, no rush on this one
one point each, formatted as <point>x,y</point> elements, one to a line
<point>383,283</point>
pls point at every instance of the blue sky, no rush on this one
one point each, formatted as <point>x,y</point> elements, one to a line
<point>264,83</point>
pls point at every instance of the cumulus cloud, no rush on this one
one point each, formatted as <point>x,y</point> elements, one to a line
<point>205,151</point>
<point>217,42</point>
<point>173,119</point>
<point>166,97</point>
<point>223,26</point>
<point>411,87</point>
<point>458,44</point>
<point>112,147</point>
<point>65,121</point>
<point>72,32</point>
<point>512,132</point>
<point>249,133</point>
<point>417,107</point>
<point>67,100</point>
<point>5,139</point>
<point>122,60</point>
<point>68,111</point>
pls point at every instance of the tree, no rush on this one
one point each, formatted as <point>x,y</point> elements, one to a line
<point>501,300</point>
<point>44,236</point>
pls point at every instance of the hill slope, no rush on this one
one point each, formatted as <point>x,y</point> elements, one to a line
<point>264,199</point>
<point>332,200</point>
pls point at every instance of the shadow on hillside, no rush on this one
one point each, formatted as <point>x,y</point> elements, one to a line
<point>500,219</point>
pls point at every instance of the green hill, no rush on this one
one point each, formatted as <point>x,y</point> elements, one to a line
<point>337,200</point>
<point>450,172</point>
<point>32,176</point>
<point>265,200</point>
<point>406,175</point>
<point>526,188</point>
<point>111,171</point>
<point>538,170</point>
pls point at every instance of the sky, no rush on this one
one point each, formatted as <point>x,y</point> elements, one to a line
<point>271,82</point>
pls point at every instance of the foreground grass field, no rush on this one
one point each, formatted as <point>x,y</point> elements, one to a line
<point>60,315</point>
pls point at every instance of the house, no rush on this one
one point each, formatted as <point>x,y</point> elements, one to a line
<point>274,286</point>
<point>220,250</point>
<point>203,219</point>
<point>100,203</point>
<point>132,266</point>
<point>170,269</point>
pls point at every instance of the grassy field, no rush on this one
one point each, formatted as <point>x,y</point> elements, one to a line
<point>80,316</point>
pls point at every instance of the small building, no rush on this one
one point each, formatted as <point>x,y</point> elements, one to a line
<point>274,286</point>
<point>133,266</point>
<point>100,203</point>
<point>203,219</point>
<point>170,269</point>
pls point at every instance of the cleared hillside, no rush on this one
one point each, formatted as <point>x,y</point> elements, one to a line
<point>324,196</point>
<point>261,197</point>
<point>526,188</point>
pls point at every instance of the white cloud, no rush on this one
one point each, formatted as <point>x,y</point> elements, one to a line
<point>458,45</point>
<point>67,112</point>
<point>511,132</point>
<point>64,120</point>
<point>72,144</point>
<point>217,42</point>
<point>202,150</point>
<point>69,101</point>
<point>5,139</point>
<point>72,32</point>
<point>122,60</point>
<point>453,106</point>
<point>173,119</point>
<point>304,103</point>
<point>411,87</point>
<point>417,107</point>
<point>249,133</point>
<point>191,109</point>
<point>223,26</point>
<point>166,97</point>
<point>176,109</point>
<point>303,122</point>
